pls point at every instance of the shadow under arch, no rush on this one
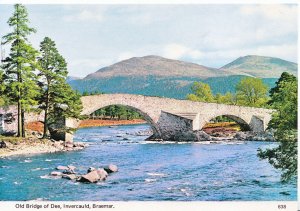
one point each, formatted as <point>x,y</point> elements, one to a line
<point>147,118</point>
<point>241,122</point>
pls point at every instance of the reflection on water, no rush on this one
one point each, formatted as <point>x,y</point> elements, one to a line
<point>147,171</point>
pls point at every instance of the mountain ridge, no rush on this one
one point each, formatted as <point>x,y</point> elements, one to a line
<point>158,66</point>
<point>158,76</point>
<point>260,66</point>
<point>250,65</point>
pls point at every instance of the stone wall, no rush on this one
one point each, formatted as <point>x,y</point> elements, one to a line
<point>9,119</point>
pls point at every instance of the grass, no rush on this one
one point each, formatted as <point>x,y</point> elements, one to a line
<point>18,140</point>
<point>231,125</point>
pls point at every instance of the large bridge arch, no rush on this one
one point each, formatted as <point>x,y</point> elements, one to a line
<point>146,116</point>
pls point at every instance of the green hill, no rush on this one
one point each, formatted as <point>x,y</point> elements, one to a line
<point>158,76</point>
<point>260,66</point>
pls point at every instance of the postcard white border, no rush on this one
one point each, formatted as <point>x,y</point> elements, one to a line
<point>168,206</point>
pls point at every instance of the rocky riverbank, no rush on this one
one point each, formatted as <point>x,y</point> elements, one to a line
<point>10,146</point>
<point>215,137</point>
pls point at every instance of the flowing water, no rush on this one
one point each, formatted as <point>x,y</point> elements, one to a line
<point>147,171</point>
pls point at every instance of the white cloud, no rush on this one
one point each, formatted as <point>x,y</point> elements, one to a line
<point>272,12</point>
<point>125,55</point>
<point>85,15</point>
<point>83,67</point>
<point>177,51</point>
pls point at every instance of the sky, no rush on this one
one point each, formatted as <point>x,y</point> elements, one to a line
<point>94,36</point>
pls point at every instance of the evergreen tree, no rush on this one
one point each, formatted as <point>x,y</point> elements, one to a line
<point>2,88</point>
<point>19,66</point>
<point>284,99</point>
<point>57,98</point>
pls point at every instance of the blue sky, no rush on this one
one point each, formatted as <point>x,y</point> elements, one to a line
<point>94,36</point>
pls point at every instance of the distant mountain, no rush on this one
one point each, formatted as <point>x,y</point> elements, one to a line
<point>156,66</point>
<point>260,66</point>
<point>72,78</point>
<point>158,76</point>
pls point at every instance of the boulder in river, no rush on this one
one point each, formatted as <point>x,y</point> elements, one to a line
<point>61,168</point>
<point>90,169</point>
<point>56,173</point>
<point>68,171</point>
<point>102,174</point>
<point>111,168</point>
<point>71,167</point>
<point>91,177</point>
<point>69,176</point>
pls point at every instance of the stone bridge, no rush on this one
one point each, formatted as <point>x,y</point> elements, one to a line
<point>171,117</point>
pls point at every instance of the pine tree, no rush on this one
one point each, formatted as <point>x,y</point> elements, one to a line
<point>19,66</point>
<point>2,88</point>
<point>57,100</point>
<point>284,99</point>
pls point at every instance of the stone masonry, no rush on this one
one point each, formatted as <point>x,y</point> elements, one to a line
<point>167,117</point>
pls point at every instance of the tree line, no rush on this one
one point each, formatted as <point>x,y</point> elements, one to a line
<point>249,92</point>
<point>35,79</point>
<point>117,112</point>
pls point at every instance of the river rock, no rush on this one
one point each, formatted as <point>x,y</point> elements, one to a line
<point>184,137</point>
<point>68,171</point>
<point>69,145</point>
<point>81,144</point>
<point>3,144</point>
<point>111,168</point>
<point>91,177</point>
<point>202,136</point>
<point>69,176</point>
<point>56,173</point>
<point>57,144</point>
<point>90,169</point>
<point>102,174</point>
<point>61,168</point>
<point>71,167</point>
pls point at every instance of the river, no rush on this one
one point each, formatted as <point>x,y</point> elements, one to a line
<point>148,171</point>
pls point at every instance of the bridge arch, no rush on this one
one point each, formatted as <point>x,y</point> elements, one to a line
<point>248,122</point>
<point>146,116</point>
<point>239,120</point>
